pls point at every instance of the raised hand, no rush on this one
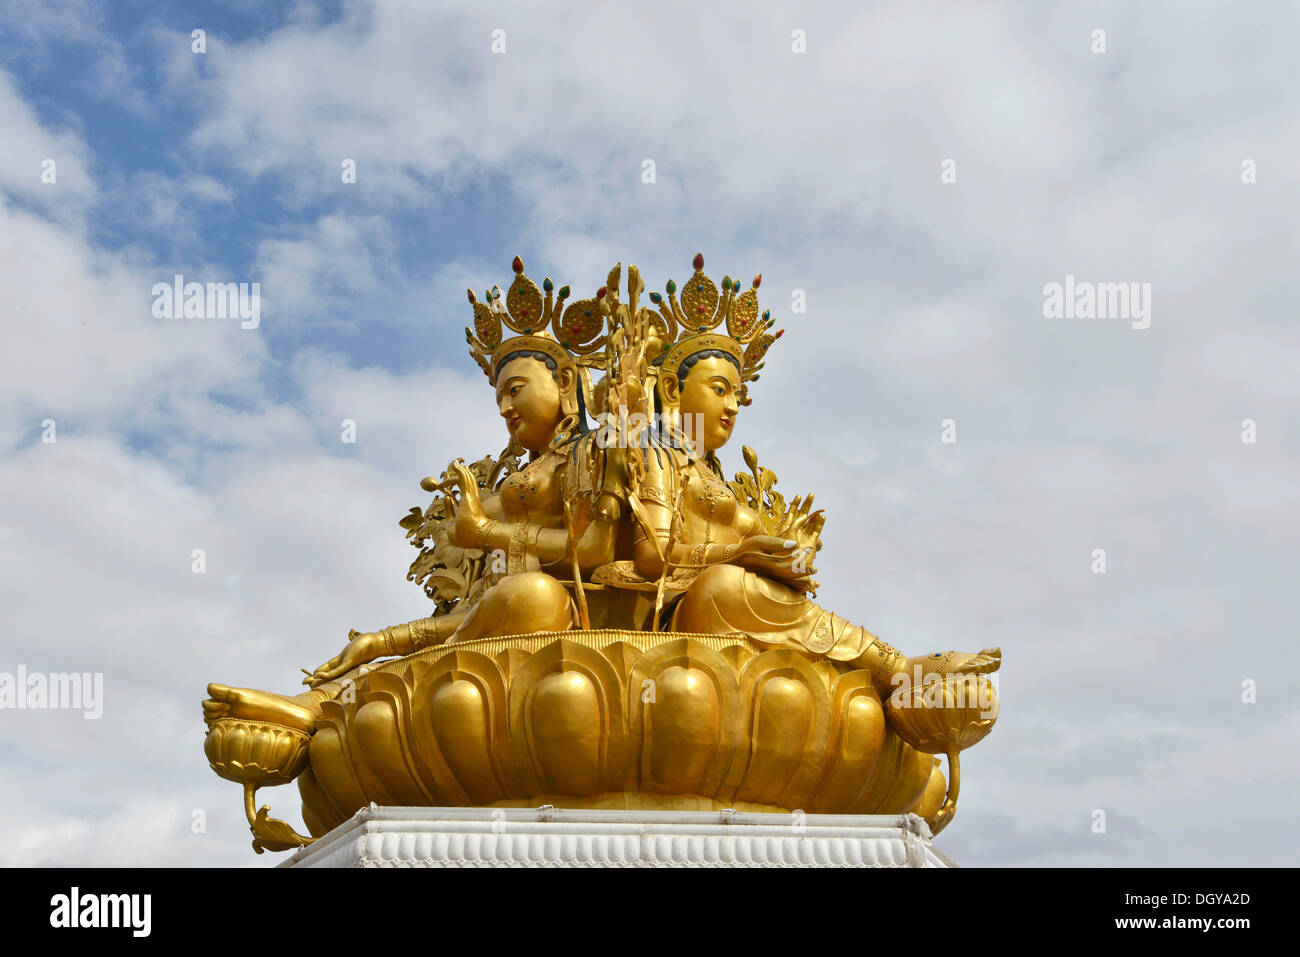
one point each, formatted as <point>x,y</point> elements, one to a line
<point>467,516</point>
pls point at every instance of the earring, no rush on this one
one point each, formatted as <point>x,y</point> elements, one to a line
<point>569,423</point>
<point>564,431</point>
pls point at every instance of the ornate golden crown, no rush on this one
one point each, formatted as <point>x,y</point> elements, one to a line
<point>529,311</point>
<point>701,310</point>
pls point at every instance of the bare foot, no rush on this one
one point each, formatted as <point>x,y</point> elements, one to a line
<point>950,663</point>
<point>228,702</point>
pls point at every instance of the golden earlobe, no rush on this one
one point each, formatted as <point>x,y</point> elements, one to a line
<point>568,383</point>
<point>669,390</point>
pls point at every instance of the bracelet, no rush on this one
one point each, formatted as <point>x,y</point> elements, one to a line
<point>891,655</point>
<point>390,640</point>
<point>516,557</point>
<point>419,636</point>
<point>698,554</point>
<point>728,552</point>
<point>481,538</point>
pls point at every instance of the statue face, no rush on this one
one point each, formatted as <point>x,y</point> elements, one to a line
<point>710,402</point>
<point>528,398</point>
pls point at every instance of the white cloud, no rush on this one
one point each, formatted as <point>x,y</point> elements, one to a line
<point>822,172</point>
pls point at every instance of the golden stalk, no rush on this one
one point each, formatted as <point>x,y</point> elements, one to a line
<point>579,590</point>
<point>668,554</point>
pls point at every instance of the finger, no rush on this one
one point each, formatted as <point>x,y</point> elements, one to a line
<point>456,475</point>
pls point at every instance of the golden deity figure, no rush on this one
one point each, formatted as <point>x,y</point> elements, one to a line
<point>524,527</point>
<point>745,572</point>
<point>615,625</point>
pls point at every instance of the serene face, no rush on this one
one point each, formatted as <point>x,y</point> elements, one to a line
<point>528,398</point>
<point>710,401</point>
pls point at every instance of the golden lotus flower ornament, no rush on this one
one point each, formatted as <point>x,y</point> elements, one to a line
<point>944,715</point>
<point>259,754</point>
<point>614,719</point>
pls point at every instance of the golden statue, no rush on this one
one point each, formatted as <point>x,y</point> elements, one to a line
<point>615,624</point>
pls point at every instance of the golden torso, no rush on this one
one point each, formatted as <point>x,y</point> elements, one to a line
<point>709,510</point>
<point>534,494</point>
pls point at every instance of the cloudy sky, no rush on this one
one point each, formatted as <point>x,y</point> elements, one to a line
<point>919,171</point>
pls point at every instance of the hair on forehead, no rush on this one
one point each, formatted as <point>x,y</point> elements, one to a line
<point>529,354</point>
<point>689,362</point>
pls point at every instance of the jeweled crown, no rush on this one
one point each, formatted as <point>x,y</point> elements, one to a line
<point>540,319</point>
<point>689,324</point>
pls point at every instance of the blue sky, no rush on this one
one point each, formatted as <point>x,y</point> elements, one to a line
<point>822,171</point>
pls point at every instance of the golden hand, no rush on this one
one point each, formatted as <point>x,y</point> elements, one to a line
<point>763,547</point>
<point>803,524</point>
<point>360,650</point>
<point>779,559</point>
<point>467,516</point>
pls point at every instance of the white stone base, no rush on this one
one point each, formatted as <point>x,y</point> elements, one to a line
<point>554,837</point>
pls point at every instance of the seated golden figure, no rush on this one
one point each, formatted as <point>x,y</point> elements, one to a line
<point>730,573</point>
<point>525,527</point>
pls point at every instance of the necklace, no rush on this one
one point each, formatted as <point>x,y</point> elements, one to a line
<point>523,485</point>
<point>712,494</point>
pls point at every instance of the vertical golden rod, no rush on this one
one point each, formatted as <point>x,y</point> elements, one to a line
<point>949,808</point>
<point>580,592</point>
<point>668,553</point>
